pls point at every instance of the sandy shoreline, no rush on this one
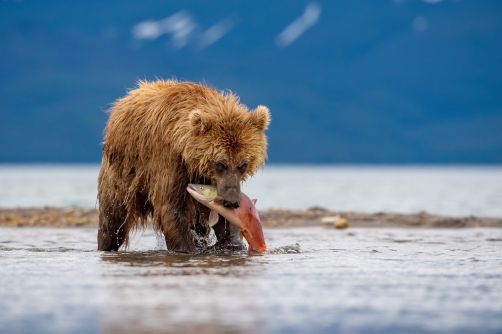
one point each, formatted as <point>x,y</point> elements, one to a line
<point>275,217</point>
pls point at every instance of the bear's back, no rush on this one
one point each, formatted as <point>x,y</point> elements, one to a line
<point>164,97</point>
<point>153,119</point>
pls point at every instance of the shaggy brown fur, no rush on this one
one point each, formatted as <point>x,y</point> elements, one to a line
<point>160,137</point>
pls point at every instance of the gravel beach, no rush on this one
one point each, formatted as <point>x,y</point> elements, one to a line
<point>275,217</point>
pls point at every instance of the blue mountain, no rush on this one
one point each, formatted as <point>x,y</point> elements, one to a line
<point>346,81</point>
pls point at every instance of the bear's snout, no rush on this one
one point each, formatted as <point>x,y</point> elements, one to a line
<point>229,187</point>
<point>231,197</point>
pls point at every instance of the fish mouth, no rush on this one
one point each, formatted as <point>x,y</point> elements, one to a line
<point>193,187</point>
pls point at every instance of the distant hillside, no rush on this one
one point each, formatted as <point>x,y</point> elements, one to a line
<point>359,82</point>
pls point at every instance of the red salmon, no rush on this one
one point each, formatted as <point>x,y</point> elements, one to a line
<point>245,218</point>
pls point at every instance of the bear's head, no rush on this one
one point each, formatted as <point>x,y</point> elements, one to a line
<point>227,144</point>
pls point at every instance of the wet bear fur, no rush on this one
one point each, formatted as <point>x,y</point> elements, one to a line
<point>162,136</point>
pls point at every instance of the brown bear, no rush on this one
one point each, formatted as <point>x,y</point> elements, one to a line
<point>162,136</point>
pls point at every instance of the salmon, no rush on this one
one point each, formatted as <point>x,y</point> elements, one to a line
<point>245,218</point>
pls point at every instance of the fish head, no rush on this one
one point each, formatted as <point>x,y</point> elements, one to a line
<point>203,193</point>
<point>203,190</point>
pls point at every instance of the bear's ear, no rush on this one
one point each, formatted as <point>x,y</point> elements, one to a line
<point>200,124</point>
<point>260,118</point>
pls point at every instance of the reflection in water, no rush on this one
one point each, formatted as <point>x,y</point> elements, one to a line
<point>325,280</point>
<point>183,264</point>
<point>208,328</point>
<point>180,293</point>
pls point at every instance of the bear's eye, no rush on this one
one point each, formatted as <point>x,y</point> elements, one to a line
<point>243,168</point>
<point>220,167</point>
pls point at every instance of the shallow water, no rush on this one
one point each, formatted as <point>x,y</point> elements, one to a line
<point>445,190</point>
<point>355,280</point>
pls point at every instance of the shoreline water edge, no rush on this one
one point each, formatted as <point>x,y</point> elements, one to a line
<point>51,216</point>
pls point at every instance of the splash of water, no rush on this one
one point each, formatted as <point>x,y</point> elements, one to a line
<point>289,249</point>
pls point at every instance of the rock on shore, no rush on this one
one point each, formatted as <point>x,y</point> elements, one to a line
<point>274,217</point>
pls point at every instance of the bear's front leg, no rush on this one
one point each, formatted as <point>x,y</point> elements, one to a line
<point>175,218</point>
<point>227,236</point>
<point>177,245</point>
<point>112,226</point>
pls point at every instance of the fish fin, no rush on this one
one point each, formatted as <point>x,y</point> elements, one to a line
<point>254,201</point>
<point>213,218</point>
<point>218,200</point>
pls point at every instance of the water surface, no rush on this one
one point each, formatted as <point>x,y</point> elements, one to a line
<point>356,280</point>
<point>445,190</point>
